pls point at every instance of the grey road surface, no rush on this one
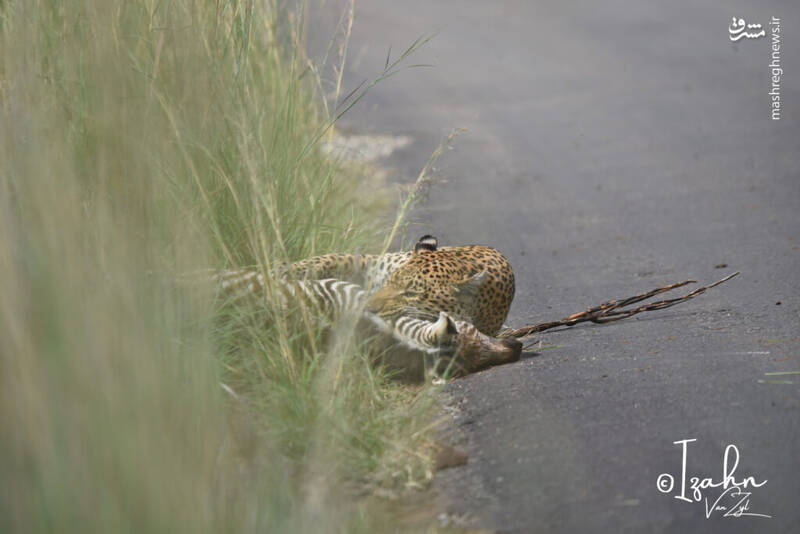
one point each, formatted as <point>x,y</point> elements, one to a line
<point>611,148</point>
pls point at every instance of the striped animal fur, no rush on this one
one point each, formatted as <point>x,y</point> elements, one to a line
<point>335,299</point>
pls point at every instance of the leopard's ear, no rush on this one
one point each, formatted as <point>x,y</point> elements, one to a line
<point>426,242</point>
<point>471,286</point>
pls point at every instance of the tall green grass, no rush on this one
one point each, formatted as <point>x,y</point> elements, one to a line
<point>141,140</point>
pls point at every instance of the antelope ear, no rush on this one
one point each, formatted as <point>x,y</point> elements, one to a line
<point>451,326</point>
<point>445,327</point>
<point>472,285</point>
<point>426,242</point>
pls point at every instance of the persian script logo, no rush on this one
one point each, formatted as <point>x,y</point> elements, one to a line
<point>730,497</point>
<point>737,30</point>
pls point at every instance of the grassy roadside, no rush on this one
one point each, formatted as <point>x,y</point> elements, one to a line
<point>139,141</point>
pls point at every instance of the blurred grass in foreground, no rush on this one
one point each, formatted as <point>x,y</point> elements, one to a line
<point>141,140</point>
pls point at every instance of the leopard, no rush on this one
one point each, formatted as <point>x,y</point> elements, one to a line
<point>407,346</point>
<point>408,295</point>
<point>472,283</point>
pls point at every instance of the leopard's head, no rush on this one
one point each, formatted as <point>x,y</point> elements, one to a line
<point>415,294</point>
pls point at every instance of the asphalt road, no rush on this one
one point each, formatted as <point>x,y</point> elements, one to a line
<point>609,151</point>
